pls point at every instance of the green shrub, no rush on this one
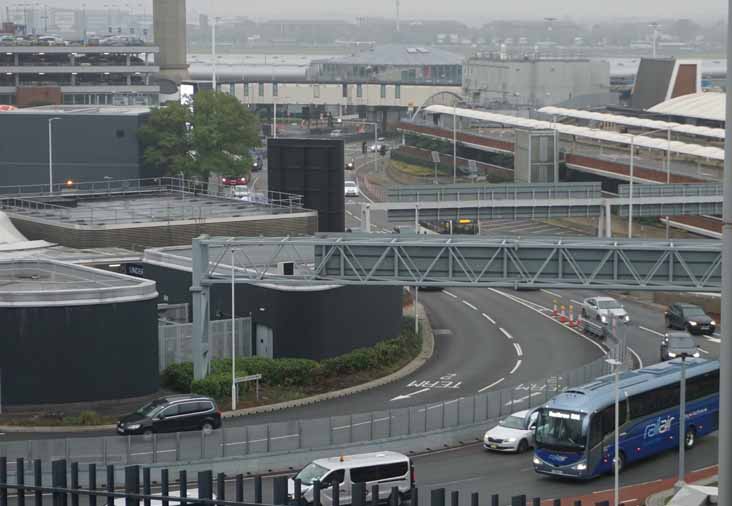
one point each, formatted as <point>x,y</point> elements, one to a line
<point>217,386</point>
<point>89,418</point>
<point>278,371</point>
<point>178,377</point>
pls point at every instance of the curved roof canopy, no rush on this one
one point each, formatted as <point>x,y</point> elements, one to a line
<point>709,106</point>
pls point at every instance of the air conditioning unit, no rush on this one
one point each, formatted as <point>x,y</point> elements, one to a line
<point>286,268</point>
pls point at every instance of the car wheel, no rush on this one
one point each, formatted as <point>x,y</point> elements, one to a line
<point>207,428</point>
<point>523,446</point>
<point>689,438</point>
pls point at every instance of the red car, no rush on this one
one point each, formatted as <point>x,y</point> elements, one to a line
<point>233,181</point>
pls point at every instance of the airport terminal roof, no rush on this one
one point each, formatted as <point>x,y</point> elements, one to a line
<point>708,106</point>
<point>81,110</point>
<point>708,152</point>
<point>632,121</point>
<point>396,54</point>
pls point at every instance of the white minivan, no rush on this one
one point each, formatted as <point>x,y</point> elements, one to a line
<point>385,469</point>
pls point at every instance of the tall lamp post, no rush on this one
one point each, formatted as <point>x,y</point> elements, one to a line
<point>50,153</point>
<point>616,364</point>
<point>683,346</point>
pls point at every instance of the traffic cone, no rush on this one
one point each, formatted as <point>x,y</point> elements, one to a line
<point>572,322</point>
<point>554,311</point>
<point>563,315</point>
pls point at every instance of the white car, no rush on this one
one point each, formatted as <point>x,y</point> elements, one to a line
<point>241,192</point>
<point>515,433</point>
<point>603,310</point>
<point>351,189</point>
<point>381,141</point>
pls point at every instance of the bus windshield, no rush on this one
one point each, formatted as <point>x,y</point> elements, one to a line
<point>560,430</point>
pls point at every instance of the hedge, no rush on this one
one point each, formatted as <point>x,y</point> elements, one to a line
<point>294,372</point>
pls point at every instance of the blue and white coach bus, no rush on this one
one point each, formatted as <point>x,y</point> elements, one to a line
<point>575,430</point>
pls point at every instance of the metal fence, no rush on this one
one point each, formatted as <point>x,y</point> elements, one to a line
<point>175,340</point>
<point>490,192</point>
<point>313,434</point>
<point>161,487</point>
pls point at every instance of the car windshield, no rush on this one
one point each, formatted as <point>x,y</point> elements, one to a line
<point>150,408</point>
<point>694,311</point>
<point>512,422</point>
<point>608,304</point>
<point>350,184</point>
<point>310,473</point>
<point>560,430</point>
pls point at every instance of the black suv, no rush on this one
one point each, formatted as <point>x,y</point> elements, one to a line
<point>176,413</point>
<point>690,318</point>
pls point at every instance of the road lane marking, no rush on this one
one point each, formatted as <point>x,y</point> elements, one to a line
<point>470,305</point>
<point>519,352</point>
<point>442,332</point>
<point>522,399</point>
<point>505,333</point>
<point>407,396</point>
<point>553,294</point>
<point>491,385</point>
<point>518,364</point>
<point>576,302</point>
<point>650,330</point>
<point>713,339</point>
<point>702,350</point>
<point>489,318</point>
<point>450,294</point>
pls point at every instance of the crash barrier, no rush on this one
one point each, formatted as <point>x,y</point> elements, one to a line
<point>159,486</point>
<point>414,428</point>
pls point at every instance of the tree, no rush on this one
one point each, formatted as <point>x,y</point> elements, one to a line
<point>213,134</point>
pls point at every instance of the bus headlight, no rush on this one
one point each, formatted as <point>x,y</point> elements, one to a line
<point>537,461</point>
<point>581,467</point>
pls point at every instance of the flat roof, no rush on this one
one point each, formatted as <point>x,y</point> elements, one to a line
<point>44,282</point>
<point>397,54</point>
<point>79,49</point>
<point>81,110</point>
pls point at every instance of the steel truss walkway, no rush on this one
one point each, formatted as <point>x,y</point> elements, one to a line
<point>439,261</point>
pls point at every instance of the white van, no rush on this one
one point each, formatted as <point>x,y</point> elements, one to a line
<point>385,469</point>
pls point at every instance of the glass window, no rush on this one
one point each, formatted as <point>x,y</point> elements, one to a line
<point>560,430</point>
<point>359,90</point>
<point>311,473</point>
<point>398,91</point>
<point>261,89</point>
<point>389,471</point>
<point>275,89</point>
<point>232,89</point>
<point>345,91</point>
<point>608,304</point>
<point>334,477</point>
<point>383,91</point>
<point>365,474</point>
<point>150,408</point>
<point>171,411</point>
<point>246,89</point>
<point>316,91</point>
<point>512,422</point>
<point>187,408</point>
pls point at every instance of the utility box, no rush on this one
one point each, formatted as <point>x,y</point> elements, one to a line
<point>535,157</point>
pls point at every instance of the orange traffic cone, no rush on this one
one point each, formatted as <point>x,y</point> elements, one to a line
<point>554,311</point>
<point>563,315</point>
<point>572,321</point>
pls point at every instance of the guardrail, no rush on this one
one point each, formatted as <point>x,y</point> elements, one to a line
<point>481,192</point>
<point>261,440</point>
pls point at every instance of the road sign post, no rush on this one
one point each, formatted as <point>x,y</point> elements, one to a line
<point>436,161</point>
<point>246,379</point>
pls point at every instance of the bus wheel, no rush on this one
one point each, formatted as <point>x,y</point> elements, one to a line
<point>621,462</point>
<point>690,438</point>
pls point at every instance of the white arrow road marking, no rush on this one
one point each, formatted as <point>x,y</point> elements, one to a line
<point>407,396</point>
<point>518,364</point>
<point>491,385</point>
<point>489,318</point>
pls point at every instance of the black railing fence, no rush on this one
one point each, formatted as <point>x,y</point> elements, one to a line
<point>138,487</point>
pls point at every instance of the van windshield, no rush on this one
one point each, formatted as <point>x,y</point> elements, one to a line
<point>311,473</point>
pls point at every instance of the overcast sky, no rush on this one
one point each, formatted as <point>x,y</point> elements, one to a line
<point>476,11</point>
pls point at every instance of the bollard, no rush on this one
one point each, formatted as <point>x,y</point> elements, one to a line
<point>92,485</point>
<point>239,488</point>
<point>58,480</point>
<point>298,492</point>
<point>437,497</point>
<point>358,494</point>
<point>146,485</point>
<point>455,498</point>
<point>577,503</point>
<point>183,483</point>
<point>164,485</point>
<point>557,502</point>
<point>604,503</point>
<point>74,483</point>
<point>221,487</point>
<point>474,499</point>
<point>518,500</point>
<point>3,480</point>
<point>494,500</point>
<point>316,493</point>
<point>414,496</point>
<point>335,494</point>
<point>394,496</point>
<point>132,485</point>
<point>20,480</point>
<point>375,495</point>
<point>279,490</point>
<point>110,483</point>
<point>537,501</point>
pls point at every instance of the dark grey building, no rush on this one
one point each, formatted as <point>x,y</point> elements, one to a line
<point>90,143</point>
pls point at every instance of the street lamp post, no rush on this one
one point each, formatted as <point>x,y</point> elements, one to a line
<point>454,143</point>
<point>233,337</point>
<point>213,52</point>
<point>616,461</point>
<point>630,190</point>
<point>50,153</point>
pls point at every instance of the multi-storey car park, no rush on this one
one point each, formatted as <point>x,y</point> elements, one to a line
<point>78,74</point>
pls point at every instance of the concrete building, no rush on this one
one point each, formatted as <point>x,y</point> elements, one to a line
<point>492,81</point>
<point>169,21</point>
<point>89,75</point>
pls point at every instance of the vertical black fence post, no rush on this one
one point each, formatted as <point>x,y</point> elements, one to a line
<point>38,482</point>
<point>358,494</point>
<point>257,489</point>
<point>132,485</point>
<point>279,492</point>
<point>454,498</point>
<point>375,494</point>
<point>58,480</point>
<point>474,499</point>
<point>414,495</point>
<point>110,483</point>
<point>603,503</point>
<point>183,482</point>
<point>221,487</point>
<point>518,500</point>
<point>437,497</point>
<point>3,481</point>
<point>20,480</point>
<point>557,502</point>
<point>494,497</point>
<point>239,488</point>
<point>394,496</point>
<point>205,484</point>
<point>164,485</point>
<point>298,492</point>
<point>335,492</point>
<point>74,483</point>
<point>316,492</point>
<point>537,501</point>
<point>146,486</point>
<point>92,479</point>
<point>577,503</point>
